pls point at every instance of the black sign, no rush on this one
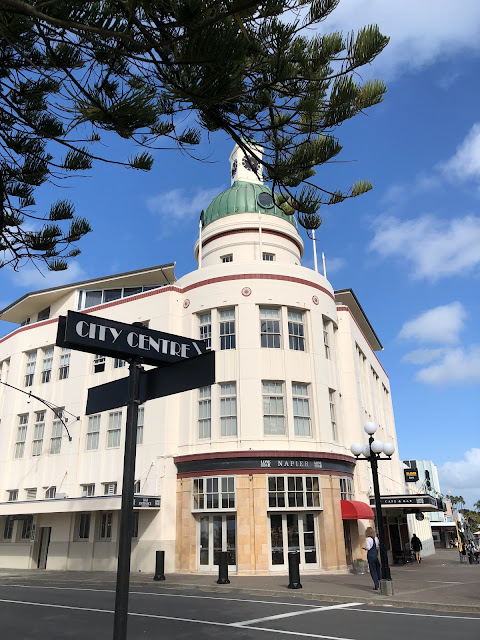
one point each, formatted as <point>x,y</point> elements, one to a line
<point>406,500</point>
<point>83,332</point>
<point>411,475</point>
<point>156,383</point>
<point>276,465</point>
<point>148,502</point>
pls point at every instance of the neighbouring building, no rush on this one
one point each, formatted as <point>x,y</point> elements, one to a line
<point>257,464</point>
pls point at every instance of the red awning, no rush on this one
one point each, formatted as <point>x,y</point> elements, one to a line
<point>356,510</point>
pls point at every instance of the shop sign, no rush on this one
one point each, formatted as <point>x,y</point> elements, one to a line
<point>411,475</point>
<point>290,464</point>
<point>149,502</point>
<point>406,500</point>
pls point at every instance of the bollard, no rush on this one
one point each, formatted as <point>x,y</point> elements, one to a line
<point>294,570</point>
<point>159,566</point>
<point>223,568</point>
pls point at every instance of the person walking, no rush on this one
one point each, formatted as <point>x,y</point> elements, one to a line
<point>371,547</point>
<point>417,547</point>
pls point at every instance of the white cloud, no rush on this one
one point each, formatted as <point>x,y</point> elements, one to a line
<point>179,205</point>
<point>422,356</point>
<point>432,247</point>
<point>466,161</point>
<point>333,265</point>
<point>420,32</point>
<point>456,367</point>
<point>461,474</point>
<point>32,278</point>
<point>441,325</point>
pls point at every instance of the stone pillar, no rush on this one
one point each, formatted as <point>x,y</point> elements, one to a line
<point>252,525</point>
<point>332,543</point>
<point>186,529</point>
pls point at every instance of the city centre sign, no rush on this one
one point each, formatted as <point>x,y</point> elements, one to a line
<point>84,332</point>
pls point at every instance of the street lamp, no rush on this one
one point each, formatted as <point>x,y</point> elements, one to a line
<point>372,453</point>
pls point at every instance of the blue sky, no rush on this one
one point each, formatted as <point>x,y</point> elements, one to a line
<point>410,249</point>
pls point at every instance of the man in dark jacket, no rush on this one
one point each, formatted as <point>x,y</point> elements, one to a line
<point>417,547</point>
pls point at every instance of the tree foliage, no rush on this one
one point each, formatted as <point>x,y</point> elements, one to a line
<point>160,73</point>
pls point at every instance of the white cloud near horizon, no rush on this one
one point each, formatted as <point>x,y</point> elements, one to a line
<point>332,265</point>
<point>465,163</point>
<point>31,277</point>
<point>432,248</point>
<point>179,205</point>
<point>441,325</point>
<point>422,356</point>
<point>458,366</point>
<point>461,475</point>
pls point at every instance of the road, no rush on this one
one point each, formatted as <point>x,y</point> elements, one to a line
<point>59,612</point>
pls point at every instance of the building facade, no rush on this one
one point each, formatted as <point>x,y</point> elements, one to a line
<point>257,464</point>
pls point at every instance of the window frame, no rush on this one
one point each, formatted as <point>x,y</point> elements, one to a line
<point>203,496</point>
<point>114,430</point>
<point>228,399</point>
<point>274,396</point>
<point>22,428</point>
<point>304,401</point>
<point>332,400</point>
<point>38,433</point>
<point>47,359</point>
<point>86,490</point>
<point>293,324</point>
<point>291,494</point>
<point>346,489</point>
<point>270,328</point>
<point>94,420</point>
<point>227,330</point>
<point>30,368</point>
<point>204,420</point>
<point>205,327</point>
<point>105,529</point>
<point>64,365</point>
<point>84,524</point>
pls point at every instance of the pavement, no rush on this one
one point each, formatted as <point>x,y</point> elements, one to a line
<point>440,583</point>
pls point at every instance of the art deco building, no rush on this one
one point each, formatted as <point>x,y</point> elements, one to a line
<point>257,464</point>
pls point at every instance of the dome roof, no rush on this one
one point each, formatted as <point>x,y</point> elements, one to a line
<point>243,197</point>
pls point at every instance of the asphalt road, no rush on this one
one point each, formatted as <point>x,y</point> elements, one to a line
<point>59,612</point>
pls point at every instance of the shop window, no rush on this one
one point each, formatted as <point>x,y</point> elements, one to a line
<point>346,489</point>
<point>294,492</point>
<point>270,328</point>
<point>106,524</point>
<point>213,493</point>
<point>26,531</point>
<point>296,330</point>
<point>84,526</point>
<point>8,528</point>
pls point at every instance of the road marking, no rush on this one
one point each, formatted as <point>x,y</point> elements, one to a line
<point>445,582</point>
<point>295,613</point>
<point>421,615</point>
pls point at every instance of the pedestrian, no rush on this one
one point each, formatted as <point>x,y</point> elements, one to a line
<point>417,547</point>
<point>371,547</point>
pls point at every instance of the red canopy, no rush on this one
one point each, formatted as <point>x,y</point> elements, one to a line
<point>356,510</point>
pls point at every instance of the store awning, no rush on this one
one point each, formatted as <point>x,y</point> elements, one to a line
<point>356,510</point>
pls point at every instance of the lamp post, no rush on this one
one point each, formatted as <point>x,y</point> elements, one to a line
<point>372,453</point>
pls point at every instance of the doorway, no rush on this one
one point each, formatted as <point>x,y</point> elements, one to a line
<point>45,533</point>
<point>347,534</point>
<point>217,533</point>
<point>293,532</point>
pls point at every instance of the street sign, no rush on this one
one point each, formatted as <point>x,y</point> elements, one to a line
<point>84,332</point>
<point>411,475</point>
<point>149,502</point>
<point>156,383</point>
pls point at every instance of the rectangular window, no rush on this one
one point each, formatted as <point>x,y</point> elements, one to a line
<point>26,532</point>
<point>270,328</point>
<point>273,410</point>
<point>213,493</point>
<point>31,494</point>
<point>331,398</point>
<point>88,490</point>
<point>21,436</point>
<point>294,492</point>
<point>206,328</point>
<point>205,412</point>
<point>8,528</point>
<point>296,331</point>
<point>346,489</point>
<point>136,486</point>
<point>269,257</point>
<point>109,488</point>
<point>140,421</point>
<point>30,370</point>
<point>56,439</point>
<point>109,295</point>
<point>38,432</point>
<point>44,314</point>
<point>64,369</point>
<point>228,258</point>
<point>98,364</point>
<point>118,363</point>
<point>12,495</point>
<point>93,432</point>
<point>228,409</point>
<point>326,339</point>
<point>227,329</point>
<point>106,521</point>
<point>47,364</point>
<point>84,526</point>
<point>301,410</point>
<point>92,298</point>
<point>51,492</point>
<point>114,429</point>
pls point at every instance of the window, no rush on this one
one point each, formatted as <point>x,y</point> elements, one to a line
<point>8,529</point>
<point>38,432</point>
<point>106,520</point>
<point>296,331</point>
<point>12,495</point>
<point>114,428</point>
<point>84,526</point>
<point>269,257</point>
<point>135,525</point>
<point>273,411</point>
<point>109,488</point>
<point>21,436</point>
<point>227,329</point>
<point>228,409</point>
<point>228,258</point>
<point>140,422</point>
<point>98,364</point>
<point>294,492</point>
<point>64,364</point>
<point>346,489</point>
<point>31,494</point>
<point>270,328</point>
<point>30,371</point>
<point>205,412</point>
<point>44,314</point>
<point>331,398</point>
<point>136,486</point>
<point>206,328</point>
<point>4,369</point>
<point>56,439</point>
<point>26,532</point>
<point>47,364</point>
<point>93,432</point>
<point>214,493</point>
<point>326,339</point>
<point>301,410</point>
<point>26,321</point>
<point>118,363</point>
<point>95,297</point>
<point>88,490</point>
<point>51,492</point>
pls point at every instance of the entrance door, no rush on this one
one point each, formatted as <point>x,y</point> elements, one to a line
<point>293,532</point>
<point>217,533</point>
<point>347,534</point>
<point>43,547</point>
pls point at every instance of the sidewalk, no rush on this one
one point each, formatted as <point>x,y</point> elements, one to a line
<point>440,582</point>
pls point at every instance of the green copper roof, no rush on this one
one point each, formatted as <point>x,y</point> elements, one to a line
<point>242,197</point>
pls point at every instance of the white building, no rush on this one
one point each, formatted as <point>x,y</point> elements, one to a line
<point>257,464</point>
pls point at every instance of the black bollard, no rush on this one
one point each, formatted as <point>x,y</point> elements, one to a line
<point>294,570</point>
<point>159,566</point>
<point>223,568</point>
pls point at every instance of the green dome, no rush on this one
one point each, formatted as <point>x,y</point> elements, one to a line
<point>243,197</point>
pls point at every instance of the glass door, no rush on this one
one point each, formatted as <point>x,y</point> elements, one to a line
<point>293,532</point>
<point>217,533</point>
